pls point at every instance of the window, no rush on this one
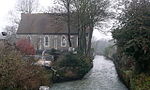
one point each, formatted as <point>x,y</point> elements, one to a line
<point>55,42</point>
<point>40,43</point>
<point>63,41</point>
<point>29,38</point>
<point>46,41</point>
<point>77,41</point>
<point>72,40</point>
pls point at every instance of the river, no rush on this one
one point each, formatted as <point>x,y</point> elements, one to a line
<point>103,76</point>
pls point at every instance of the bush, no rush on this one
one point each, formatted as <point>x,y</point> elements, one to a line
<point>133,34</point>
<point>25,47</point>
<point>18,74</point>
<point>141,82</point>
<point>139,48</point>
<point>70,66</point>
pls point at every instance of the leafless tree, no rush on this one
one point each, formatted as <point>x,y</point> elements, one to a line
<point>86,14</point>
<point>67,6</point>
<point>11,34</point>
<point>27,6</point>
<point>89,13</point>
<point>22,6</point>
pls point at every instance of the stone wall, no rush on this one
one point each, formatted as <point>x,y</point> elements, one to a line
<point>54,41</point>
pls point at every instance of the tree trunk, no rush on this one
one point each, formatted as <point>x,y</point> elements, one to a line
<point>89,40</point>
<point>68,22</point>
<point>81,41</point>
<point>84,40</point>
<point>78,26</point>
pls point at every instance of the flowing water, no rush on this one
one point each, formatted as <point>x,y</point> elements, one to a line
<point>103,76</point>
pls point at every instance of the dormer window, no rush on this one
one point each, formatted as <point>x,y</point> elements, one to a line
<point>63,41</point>
<point>46,41</point>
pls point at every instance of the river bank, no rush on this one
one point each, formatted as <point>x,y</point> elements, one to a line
<point>128,76</point>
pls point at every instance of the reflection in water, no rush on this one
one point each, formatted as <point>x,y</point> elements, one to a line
<point>103,76</point>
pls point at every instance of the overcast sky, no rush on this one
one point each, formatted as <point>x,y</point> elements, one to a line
<point>7,5</point>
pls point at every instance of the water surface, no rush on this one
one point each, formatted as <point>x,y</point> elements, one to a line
<point>103,76</point>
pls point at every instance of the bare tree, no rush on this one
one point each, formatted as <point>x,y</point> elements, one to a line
<point>10,29</point>
<point>22,6</point>
<point>67,6</point>
<point>89,13</point>
<point>11,34</point>
<point>14,17</point>
<point>86,14</point>
<point>27,6</point>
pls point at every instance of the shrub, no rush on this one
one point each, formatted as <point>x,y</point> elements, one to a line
<point>139,48</point>
<point>133,34</point>
<point>25,47</point>
<point>18,74</point>
<point>141,82</point>
<point>71,66</point>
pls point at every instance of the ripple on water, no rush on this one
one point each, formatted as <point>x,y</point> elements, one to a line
<point>103,76</point>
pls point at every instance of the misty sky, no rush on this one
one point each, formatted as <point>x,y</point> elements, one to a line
<point>8,5</point>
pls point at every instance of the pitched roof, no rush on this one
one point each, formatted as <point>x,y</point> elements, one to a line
<point>42,23</point>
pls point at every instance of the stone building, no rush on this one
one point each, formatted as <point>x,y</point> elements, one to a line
<point>46,31</point>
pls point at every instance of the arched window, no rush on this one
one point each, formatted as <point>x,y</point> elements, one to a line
<point>63,41</point>
<point>40,42</point>
<point>46,41</point>
<point>29,38</point>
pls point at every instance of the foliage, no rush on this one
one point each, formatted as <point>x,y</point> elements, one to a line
<point>76,65</point>
<point>25,47</point>
<point>71,60</point>
<point>133,34</point>
<point>135,81</point>
<point>141,82</point>
<point>18,74</point>
<point>139,48</point>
